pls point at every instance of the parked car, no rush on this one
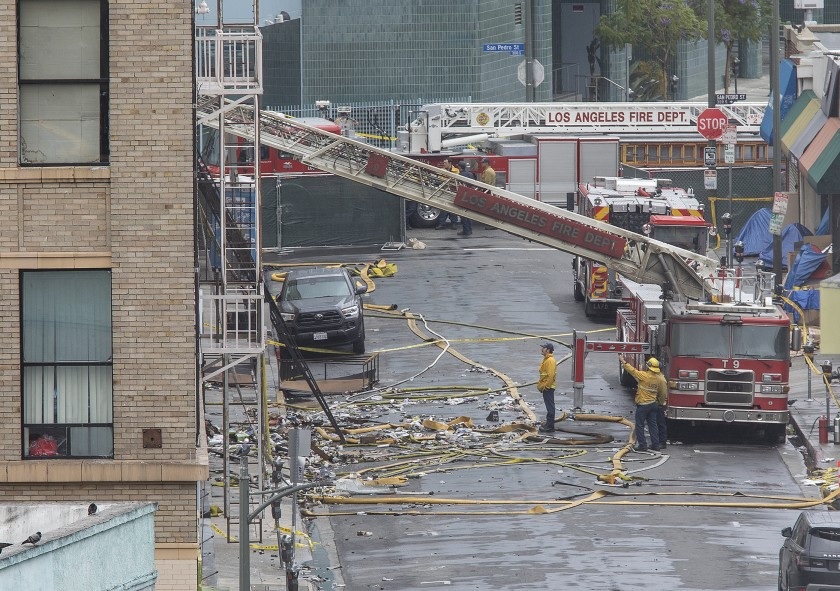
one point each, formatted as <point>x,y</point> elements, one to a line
<point>810,557</point>
<point>323,307</point>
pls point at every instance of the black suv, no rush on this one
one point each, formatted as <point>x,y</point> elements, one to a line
<point>810,557</point>
<point>323,307</point>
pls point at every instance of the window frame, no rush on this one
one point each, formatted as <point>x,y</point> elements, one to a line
<point>56,426</point>
<point>103,83</point>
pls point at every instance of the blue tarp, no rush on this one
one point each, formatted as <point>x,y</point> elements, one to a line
<point>806,299</point>
<point>756,233</point>
<point>787,96</point>
<point>823,230</point>
<point>806,262</point>
<point>791,234</point>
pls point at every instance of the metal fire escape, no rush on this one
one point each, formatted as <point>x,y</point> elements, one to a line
<point>232,333</point>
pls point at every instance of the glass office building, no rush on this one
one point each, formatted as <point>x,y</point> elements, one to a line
<point>366,50</point>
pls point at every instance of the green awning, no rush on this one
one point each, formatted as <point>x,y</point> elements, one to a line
<point>797,119</point>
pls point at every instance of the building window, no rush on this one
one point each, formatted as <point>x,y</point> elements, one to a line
<point>63,81</point>
<point>67,365</point>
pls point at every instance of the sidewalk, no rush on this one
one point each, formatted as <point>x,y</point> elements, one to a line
<point>804,413</point>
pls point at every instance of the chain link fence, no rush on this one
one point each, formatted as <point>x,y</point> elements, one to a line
<point>376,122</point>
<point>752,189</point>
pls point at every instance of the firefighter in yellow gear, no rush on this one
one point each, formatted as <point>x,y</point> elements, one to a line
<point>651,387</point>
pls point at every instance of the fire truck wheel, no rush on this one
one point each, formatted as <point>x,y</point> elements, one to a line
<point>578,291</point>
<point>624,377</point>
<point>774,434</point>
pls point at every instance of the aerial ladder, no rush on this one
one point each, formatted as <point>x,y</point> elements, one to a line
<point>438,126</point>
<point>633,255</point>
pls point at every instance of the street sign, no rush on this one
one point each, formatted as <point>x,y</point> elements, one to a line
<point>711,123</point>
<point>710,180</point>
<point>777,218</point>
<point>780,203</point>
<point>539,73</point>
<point>728,99</point>
<point>730,135</point>
<point>511,48</point>
<point>710,156</point>
<point>617,347</point>
<point>729,154</point>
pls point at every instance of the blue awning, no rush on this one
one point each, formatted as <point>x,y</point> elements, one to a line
<point>787,93</point>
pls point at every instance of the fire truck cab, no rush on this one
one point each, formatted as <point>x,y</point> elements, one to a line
<point>645,206</point>
<point>726,361</point>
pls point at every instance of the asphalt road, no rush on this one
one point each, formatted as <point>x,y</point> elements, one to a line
<point>651,541</point>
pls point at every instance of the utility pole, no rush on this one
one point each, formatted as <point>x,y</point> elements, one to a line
<point>529,51</point>
<point>711,80</point>
<point>777,148</point>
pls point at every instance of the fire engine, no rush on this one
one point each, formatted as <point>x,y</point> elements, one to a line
<point>726,359</point>
<point>645,206</point>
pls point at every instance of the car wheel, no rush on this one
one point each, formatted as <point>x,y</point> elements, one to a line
<point>578,291</point>
<point>424,216</point>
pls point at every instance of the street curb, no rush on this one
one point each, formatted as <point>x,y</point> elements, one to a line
<point>814,453</point>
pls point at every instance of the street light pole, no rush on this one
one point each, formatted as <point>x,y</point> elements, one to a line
<point>711,81</point>
<point>777,148</point>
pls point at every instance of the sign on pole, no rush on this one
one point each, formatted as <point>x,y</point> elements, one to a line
<point>711,122</point>
<point>729,154</point>
<point>728,99</point>
<point>777,217</point>
<point>710,180</point>
<point>730,135</point>
<point>710,156</point>
<point>539,73</point>
<point>511,48</point>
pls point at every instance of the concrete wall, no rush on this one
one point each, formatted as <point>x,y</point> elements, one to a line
<point>134,217</point>
<point>113,549</point>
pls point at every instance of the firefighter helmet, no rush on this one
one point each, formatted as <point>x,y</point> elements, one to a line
<point>653,364</point>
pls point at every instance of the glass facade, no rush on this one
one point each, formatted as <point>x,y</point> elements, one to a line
<point>358,50</point>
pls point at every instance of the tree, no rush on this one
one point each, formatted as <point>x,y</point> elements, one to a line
<point>737,20</point>
<point>655,26</point>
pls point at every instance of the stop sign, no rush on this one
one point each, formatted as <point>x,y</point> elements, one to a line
<point>711,123</point>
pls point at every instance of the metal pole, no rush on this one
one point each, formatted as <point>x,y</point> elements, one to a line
<point>810,398</point>
<point>529,51</point>
<point>729,236</point>
<point>777,148</point>
<point>710,54</point>
<point>244,538</point>
<point>628,56</point>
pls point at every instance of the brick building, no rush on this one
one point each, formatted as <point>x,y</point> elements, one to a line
<point>97,298</point>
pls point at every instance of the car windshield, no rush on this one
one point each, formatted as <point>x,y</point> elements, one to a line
<point>825,540</point>
<point>700,340</point>
<point>693,238</point>
<point>306,288</point>
<point>760,342</point>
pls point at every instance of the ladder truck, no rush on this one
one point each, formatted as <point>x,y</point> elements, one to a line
<point>724,348</point>
<point>634,255</point>
<point>646,206</point>
<point>726,359</point>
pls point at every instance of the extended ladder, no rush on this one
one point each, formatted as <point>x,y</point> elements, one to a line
<point>633,255</point>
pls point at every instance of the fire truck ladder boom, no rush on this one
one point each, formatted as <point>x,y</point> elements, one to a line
<point>516,118</point>
<point>633,255</point>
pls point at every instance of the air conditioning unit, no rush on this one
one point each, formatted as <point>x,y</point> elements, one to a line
<point>808,4</point>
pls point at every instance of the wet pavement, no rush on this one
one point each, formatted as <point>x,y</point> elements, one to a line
<point>461,289</point>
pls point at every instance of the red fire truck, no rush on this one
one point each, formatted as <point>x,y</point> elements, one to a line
<point>726,361</point>
<point>644,206</point>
